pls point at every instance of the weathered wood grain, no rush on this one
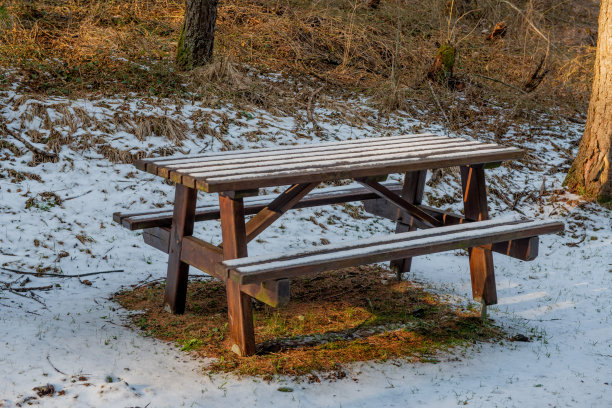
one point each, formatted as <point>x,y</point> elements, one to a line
<point>412,192</point>
<point>249,169</point>
<point>273,211</point>
<point>422,218</point>
<point>252,205</point>
<point>182,226</point>
<point>525,249</point>
<point>414,243</point>
<point>475,208</point>
<point>239,310</point>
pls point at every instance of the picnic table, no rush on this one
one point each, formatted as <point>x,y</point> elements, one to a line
<point>237,177</point>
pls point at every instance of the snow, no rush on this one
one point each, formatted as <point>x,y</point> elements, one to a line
<point>388,245</point>
<point>562,298</point>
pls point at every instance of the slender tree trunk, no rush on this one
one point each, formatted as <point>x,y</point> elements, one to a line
<point>590,174</point>
<point>195,47</point>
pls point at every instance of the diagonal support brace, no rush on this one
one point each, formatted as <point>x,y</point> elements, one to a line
<point>273,211</point>
<point>422,219</point>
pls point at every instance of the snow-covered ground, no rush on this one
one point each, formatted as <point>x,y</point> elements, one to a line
<point>73,337</point>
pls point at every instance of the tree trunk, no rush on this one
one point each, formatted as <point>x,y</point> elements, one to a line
<point>195,46</point>
<point>590,174</point>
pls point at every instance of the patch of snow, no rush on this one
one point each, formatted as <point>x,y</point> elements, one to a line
<point>74,337</point>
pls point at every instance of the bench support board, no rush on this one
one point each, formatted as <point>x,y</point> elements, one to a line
<point>158,238</point>
<point>207,257</point>
<point>163,218</point>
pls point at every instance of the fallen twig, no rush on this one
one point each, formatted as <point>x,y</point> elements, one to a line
<point>59,275</point>
<point>49,287</point>
<point>54,367</point>
<point>501,82</point>
<point>77,196</point>
<point>157,280</point>
<point>31,297</point>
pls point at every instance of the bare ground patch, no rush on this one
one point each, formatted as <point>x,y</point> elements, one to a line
<point>335,318</point>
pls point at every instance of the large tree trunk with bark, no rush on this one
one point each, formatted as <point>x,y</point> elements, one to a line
<point>195,47</point>
<point>590,174</point>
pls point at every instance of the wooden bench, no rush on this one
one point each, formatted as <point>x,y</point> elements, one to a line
<point>162,218</point>
<point>237,177</point>
<point>485,234</point>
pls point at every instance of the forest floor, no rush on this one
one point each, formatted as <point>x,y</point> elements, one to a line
<point>87,87</point>
<point>73,335</point>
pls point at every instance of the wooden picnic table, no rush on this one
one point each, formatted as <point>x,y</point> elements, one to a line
<point>237,176</point>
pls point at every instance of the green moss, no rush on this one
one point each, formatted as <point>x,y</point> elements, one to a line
<point>446,55</point>
<point>183,52</point>
<point>605,201</point>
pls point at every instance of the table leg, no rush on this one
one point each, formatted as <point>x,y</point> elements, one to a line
<point>412,191</point>
<point>240,314</point>
<point>182,226</point>
<point>481,260</point>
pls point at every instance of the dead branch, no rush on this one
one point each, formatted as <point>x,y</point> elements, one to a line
<point>77,196</point>
<point>31,297</point>
<point>54,367</point>
<point>49,287</point>
<point>58,275</point>
<point>501,82</point>
<point>537,77</point>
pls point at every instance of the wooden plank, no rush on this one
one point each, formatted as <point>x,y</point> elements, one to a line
<point>320,197</point>
<point>409,246</point>
<point>208,257</point>
<point>468,228</point>
<point>475,208</point>
<point>167,160</point>
<point>117,216</point>
<point>178,271</point>
<point>190,176</point>
<point>412,192</point>
<point>158,238</point>
<point>203,256</point>
<point>164,168</point>
<point>319,162</point>
<point>317,154</point>
<point>273,293</point>
<point>240,314</point>
<point>273,211</point>
<point>383,208</point>
<point>374,168</point>
<point>426,219</point>
<point>525,249</point>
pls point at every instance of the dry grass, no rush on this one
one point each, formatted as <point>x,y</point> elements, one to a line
<point>115,46</point>
<point>335,318</point>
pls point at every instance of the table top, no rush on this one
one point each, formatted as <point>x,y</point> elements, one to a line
<point>283,165</point>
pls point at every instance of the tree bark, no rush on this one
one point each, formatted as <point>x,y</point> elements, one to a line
<point>590,174</point>
<point>195,46</point>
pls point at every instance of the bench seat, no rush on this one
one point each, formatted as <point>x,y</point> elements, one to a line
<point>160,218</point>
<point>263,268</point>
